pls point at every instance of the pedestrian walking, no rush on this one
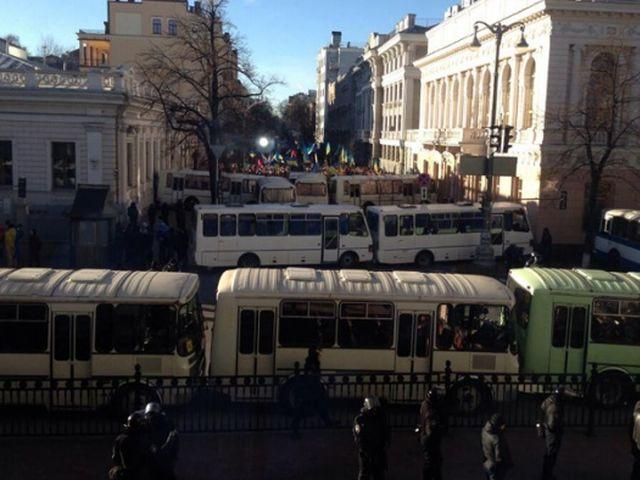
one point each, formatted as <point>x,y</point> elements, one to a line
<point>163,438</point>
<point>133,214</point>
<point>635,443</point>
<point>430,431</point>
<point>372,437</point>
<point>546,246</point>
<point>551,429</point>
<point>10,244</point>
<point>131,451</point>
<point>35,245</point>
<point>495,448</point>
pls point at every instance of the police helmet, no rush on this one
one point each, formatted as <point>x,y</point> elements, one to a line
<point>432,395</point>
<point>371,403</point>
<point>558,392</point>
<point>134,420</point>
<point>152,408</point>
<point>497,421</point>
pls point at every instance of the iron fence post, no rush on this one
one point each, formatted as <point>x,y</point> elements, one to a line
<point>447,376</point>
<point>136,378</point>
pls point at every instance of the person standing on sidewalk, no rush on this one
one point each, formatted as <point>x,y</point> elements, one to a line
<point>372,436</point>
<point>430,431</point>
<point>495,448</point>
<point>635,443</point>
<point>551,429</point>
<point>10,244</point>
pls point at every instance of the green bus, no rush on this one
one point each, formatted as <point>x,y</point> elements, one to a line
<point>567,321</point>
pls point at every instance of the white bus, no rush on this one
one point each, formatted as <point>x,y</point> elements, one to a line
<point>189,186</point>
<point>444,232</point>
<point>254,235</point>
<point>91,324</point>
<point>617,244</point>
<point>274,189</point>
<point>364,322</point>
<point>367,190</point>
<point>311,188</point>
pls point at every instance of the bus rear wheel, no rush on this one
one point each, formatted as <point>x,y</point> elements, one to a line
<point>130,397</point>
<point>424,259</point>
<point>468,397</point>
<point>249,260</point>
<point>348,260</point>
<point>611,389</point>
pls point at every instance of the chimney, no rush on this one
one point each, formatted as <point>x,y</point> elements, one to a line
<point>410,21</point>
<point>336,39</point>
<point>197,6</point>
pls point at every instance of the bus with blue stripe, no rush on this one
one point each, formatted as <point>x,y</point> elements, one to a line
<point>617,244</point>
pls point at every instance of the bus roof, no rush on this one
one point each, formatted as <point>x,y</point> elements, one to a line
<point>274,182</point>
<point>363,285</point>
<point>497,207</point>
<point>87,285</point>
<point>311,178</point>
<point>279,208</point>
<point>627,214</point>
<point>576,281</point>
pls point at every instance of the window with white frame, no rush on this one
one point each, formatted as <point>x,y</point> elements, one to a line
<point>63,162</point>
<point>173,27</point>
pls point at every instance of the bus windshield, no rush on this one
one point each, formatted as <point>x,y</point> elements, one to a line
<point>277,195</point>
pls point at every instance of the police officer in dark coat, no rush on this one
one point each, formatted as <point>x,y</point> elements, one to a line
<point>495,448</point>
<point>551,429</point>
<point>430,431</point>
<point>131,451</point>
<point>372,436</point>
<point>635,443</point>
<point>163,439</point>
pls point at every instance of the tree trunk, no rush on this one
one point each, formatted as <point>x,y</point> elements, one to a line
<point>212,161</point>
<point>591,222</point>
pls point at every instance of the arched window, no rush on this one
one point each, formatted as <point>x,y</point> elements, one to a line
<point>506,95</point>
<point>486,100</point>
<point>529,89</point>
<point>469,109</point>
<point>600,91</point>
<point>454,104</point>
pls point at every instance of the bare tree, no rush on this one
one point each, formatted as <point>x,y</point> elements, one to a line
<point>299,116</point>
<point>49,46</point>
<point>201,78</point>
<point>601,131</point>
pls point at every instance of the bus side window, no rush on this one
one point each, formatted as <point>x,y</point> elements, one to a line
<point>247,331</point>
<point>209,224</point>
<point>227,225</point>
<point>422,224</point>
<point>104,328</point>
<point>444,330</point>
<point>560,319</point>
<point>390,226</point>
<point>265,336</point>
<point>246,225</point>
<point>406,225</point>
<point>353,224</point>
<point>405,322</point>
<point>24,328</point>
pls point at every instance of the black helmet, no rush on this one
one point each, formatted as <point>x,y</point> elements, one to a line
<point>134,421</point>
<point>371,403</point>
<point>558,392</point>
<point>432,395</point>
<point>497,421</point>
<point>152,408</point>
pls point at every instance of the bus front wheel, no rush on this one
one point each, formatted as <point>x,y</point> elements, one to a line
<point>611,389</point>
<point>249,260</point>
<point>348,260</point>
<point>424,259</point>
<point>132,396</point>
<point>468,397</point>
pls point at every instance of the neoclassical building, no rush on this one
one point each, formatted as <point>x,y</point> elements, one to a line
<point>536,84</point>
<point>395,84</point>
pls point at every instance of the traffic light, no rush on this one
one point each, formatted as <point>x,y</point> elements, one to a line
<point>506,138</point>
<point>495,137</point>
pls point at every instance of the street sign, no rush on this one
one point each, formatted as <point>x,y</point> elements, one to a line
<point>22,187</point>
<point>496,166</point>
<point>472,165</point>
<point>218,149</point>
<point>504,166</point>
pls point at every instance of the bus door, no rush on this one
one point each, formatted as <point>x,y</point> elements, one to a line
<point>413,349</point>
<point>330,239</point>
<point>568,339</point>
<point>71,349</point>
<point>497,233</point>
<point>256,342</point>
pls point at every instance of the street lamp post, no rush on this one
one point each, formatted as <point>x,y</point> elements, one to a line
<point>485,256</point>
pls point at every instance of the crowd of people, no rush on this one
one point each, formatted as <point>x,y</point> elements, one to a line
<point>11,246</point>
<point>156,240</point>
<point>148,447</point>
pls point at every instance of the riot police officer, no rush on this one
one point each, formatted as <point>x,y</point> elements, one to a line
<point>131,452</point>
<point>372,436</point>
<point>430,431</point>
<point>635,442</point>
<point>495,448</point>
<point>163,438</point>
<point>551,429</point>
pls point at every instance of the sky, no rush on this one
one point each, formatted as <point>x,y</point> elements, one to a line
<point>283,36</point>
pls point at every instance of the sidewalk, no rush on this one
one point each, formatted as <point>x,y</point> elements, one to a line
<point>317,455</point>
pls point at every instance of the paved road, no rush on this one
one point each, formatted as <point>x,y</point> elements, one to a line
<point>318,455</point>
